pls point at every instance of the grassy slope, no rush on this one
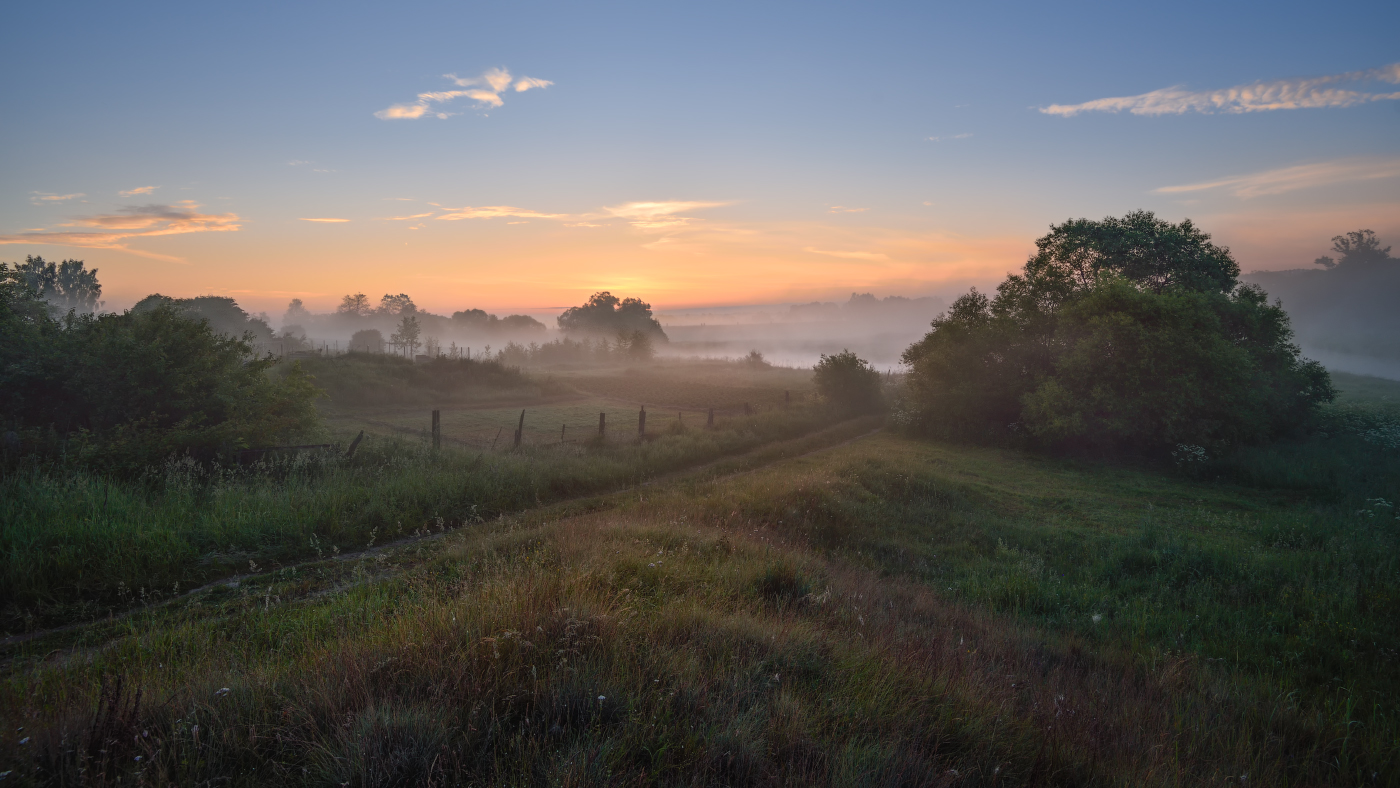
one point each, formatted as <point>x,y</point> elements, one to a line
<point>887,612</point>
<point>76,545</point>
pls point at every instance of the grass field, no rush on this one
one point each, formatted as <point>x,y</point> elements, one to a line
<point>76,545</point>
<point>829,607</point>
<point>889,611</point>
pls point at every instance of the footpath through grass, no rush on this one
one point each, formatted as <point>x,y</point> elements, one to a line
<point>76,546</point>
<point>888,612</point>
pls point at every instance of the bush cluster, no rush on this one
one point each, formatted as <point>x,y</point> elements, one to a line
<point>124,391</point>
<point>1126,334</point>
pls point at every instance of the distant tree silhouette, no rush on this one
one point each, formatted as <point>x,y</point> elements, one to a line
<point>368,340</point>
<point>606,315</point>
<point>68,285</point>
<point>357,304</point>
<point>406,337</point>
<point>1356,249</point>
<point>395,305</point>
<point>296,312</point>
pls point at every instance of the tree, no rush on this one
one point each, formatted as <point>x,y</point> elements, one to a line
<point>1357,249</point>
<point>368,340</point>
<point>357,305</point>
<point>604,314</point>
<point>848,382</point>
<point>133,389</point>
<point>1154,253</point>
<point>1139,371</point>
<point>1127,334</point>
<point>68,285</point>
<point>394,305</point>
<point>406,336</point>
<point>223,314</point>
<point>296,313</point>
<point>639,345</point>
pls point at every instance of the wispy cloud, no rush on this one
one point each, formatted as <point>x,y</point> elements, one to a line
<point>658,215</point>
<point>951,137</point>
<point>138,190</point>
<point>115,230</point>
<point>848,255</point>
<point>844,209</point>
<point>407,218</point>
<point>327,220</point>
<point>496,212</point>
<point>485,90</point>
<point>39,198</point>
<point>1305,93</point>
<point>1302,176</point>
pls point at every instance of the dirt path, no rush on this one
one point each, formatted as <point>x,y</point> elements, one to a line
<point>236,580</point>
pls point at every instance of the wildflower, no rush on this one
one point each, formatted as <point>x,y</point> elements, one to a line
<point>1096,618</point>
<point>601,698</point>
<point>221,692</point>
<point>25,740</point>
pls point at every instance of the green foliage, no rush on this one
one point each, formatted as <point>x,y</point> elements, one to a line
<point>606,315</point>
<point>223,315</point>
<point>125,391</point>
<point>848,382</point>
<point>1126,334</point>
<point>1140,370</point>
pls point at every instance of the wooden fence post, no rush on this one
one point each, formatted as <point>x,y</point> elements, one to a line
<point>787,398</point>
<point>710,420</point>
<point>562,427</point>
<point>747,410</point>
<point>642,422</point>
<point>437,429</point>
<point>354,444</point>
<point>520,430</point>
<point>602,424</point>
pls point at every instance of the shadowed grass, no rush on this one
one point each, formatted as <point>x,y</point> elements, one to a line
<point>75,545</point>
<point>884,613</point>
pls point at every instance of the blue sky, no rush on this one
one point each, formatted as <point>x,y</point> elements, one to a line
<point>786,151</point>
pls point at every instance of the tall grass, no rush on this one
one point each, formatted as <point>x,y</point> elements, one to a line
<point>74,544</point>
<point>771,629</point>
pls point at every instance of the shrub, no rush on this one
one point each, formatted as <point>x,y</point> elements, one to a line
<point>129,390</point>
<point>848,382</point>
<point>1126,334</point>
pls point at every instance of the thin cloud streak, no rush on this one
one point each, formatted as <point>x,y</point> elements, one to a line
<point>1307,93</point>
<point>39,198</point>
<point>138,190</point>
<point>496,212</point>
<point>327,220</point>
<point>848,255</point>
<point>114,230</point>
<point>1302,176</point>
<point>485,90</point>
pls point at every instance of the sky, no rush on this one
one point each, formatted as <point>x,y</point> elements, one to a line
<point>520,156</point>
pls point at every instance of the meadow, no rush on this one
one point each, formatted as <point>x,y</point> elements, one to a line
<point>799,600</point>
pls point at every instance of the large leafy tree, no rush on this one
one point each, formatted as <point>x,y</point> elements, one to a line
<point>1129,333</point>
